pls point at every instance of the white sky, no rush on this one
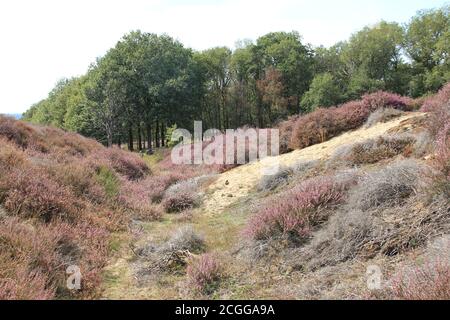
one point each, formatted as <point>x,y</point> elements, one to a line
<point>43,41</point>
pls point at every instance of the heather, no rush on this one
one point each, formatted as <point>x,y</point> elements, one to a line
<point>295,213</point>
<point>61,196</point>
<point>324,124</point>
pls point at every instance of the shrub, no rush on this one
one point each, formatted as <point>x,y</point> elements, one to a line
<point>108,180</point>
<point>271,182</point>
<point>436,101</point>
<point>285,130</point>
<point>374,150</point>
<point>157,185</point>
<point>127,164</point>
<point>428,282</point>
<point>380,216</point>
<point>438,108</point>
<point>32,192</point>
<point>204,273</point>
<point>137,197</point>
<point>179,202</point>
<point>10,156</point>
<point>382,115</point>
<point>387,187</point>
<point>442,160</point>
<point>185,238</point>
<point>297,211</point>
<point>324,124</point>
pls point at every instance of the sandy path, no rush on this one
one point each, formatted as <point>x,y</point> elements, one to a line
<point>238,183</point>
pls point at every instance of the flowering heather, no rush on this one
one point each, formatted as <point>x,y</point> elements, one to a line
<point>442,159</point>
<point>31,192</point>
<point>297,211</point>
<point>64,192</point>
<point>428,282</point>
<point>438,100</point>
<point>127,164</point>
<point>324,124</point>
<point>137,197</point>
<point>204,273</point>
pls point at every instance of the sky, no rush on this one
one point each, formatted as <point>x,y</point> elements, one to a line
<point>47,40</point>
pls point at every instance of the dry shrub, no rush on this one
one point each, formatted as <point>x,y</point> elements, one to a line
<point>324,124</point>
<point>185,238</point>
<point>442,161</point>
<point>382,215</point>
<point>382,115</point>
<point>296,212</point>
<point>386,187</point>
<point>428,282</point>
<point>272,182</point>
<point>286,127</point>
<point>180,202</point>
<point>204,273</point>
<point>171,256</point>
<point>10,156</point>
<point>375,150</point>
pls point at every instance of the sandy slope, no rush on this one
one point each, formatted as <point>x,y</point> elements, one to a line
<point>238,183</point>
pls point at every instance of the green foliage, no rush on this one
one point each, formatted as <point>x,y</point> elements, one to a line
<point>428,45</point>
<point>109,181</point>
<point>323,93</point>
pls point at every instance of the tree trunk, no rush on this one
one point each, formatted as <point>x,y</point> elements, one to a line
<point>163,135</point>
<point>149,135</point>
<point>130,138</point>
<point>139,137</point>
<point>157,135</point>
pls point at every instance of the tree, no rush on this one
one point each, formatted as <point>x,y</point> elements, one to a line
<point>428,45</point>
<point>323,92</point>
<point>373,58</point>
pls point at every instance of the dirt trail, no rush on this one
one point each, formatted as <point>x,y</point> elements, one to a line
<point>239,182</point>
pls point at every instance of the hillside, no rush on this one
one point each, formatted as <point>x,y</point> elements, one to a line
<point>371,198</point>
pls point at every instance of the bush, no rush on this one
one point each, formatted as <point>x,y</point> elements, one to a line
<point>438,108</point>
<point>10,156</point>
<point>324,124</point>
<point>204,273</point>
<point>31,192</point>
<point>127,164</point>
<point>179,202</point>
<point>428,282</point>
<point>382,115</point>
<point>137,198</point>
<point>109,181</point>
<point>432,103</point>
<point>271,182</point>
<point>297,211</point>
<point>185,239</point>
<point>375,150</point>
<point>380,216</point>
<point>442,160</point>
<point>285,130</point>
<point>387,187</point>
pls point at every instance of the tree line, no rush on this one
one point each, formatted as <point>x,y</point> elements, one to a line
<point>148,84</point>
